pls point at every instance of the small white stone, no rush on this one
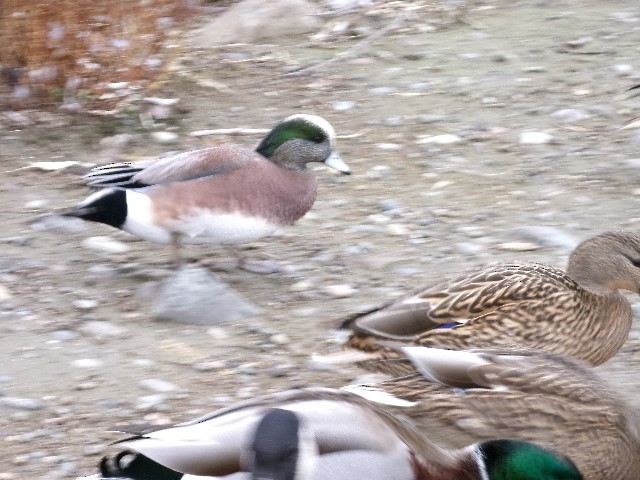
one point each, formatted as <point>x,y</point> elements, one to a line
<point>535,138</point>
<point>87,363</point>
<point>151,403</point>
<point>342,106</point>
<point>105,245</point>
<point>218,333</point>
<point>301,286</point>
<point>36,204</point>
<point>158,386</point>
<point>518,246</point>
<point>279,339</point>
<point>85,304</point>
<point>570,115</point>
<point>164,138</point>
<point>101,329</point>
<point>622,68</point>
<point>397,229</point>
<point>164,102</point>
<point>389,146</point>
<point>4,293</point>
<point>444,139</point>
<point>340,291</point>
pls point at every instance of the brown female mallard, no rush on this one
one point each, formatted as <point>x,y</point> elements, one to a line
<point>461,397</point>
<point>580,312</point>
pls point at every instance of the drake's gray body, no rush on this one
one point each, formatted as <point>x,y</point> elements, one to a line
<point>347,438</point>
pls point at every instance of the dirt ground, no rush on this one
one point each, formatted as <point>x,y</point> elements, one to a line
<point>413,210</point>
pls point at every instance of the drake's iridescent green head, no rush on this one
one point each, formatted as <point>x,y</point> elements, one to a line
<point>516,460</point>
<point>300,139</point>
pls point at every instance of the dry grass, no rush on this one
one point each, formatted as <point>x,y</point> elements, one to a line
<point>71,52</point>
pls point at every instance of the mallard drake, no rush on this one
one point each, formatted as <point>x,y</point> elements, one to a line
<point>225,194</point>
<point>540,397</point>
<point>580,312</point>
<point>321,434</point>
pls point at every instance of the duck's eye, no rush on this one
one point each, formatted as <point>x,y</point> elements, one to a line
<point>635,262</point>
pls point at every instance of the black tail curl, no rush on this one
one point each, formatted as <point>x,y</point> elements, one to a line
<point>128,464</point>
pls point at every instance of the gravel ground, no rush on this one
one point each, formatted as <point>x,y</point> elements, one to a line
<point>496,138</point>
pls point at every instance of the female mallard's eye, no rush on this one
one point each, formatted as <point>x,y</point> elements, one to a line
<point>635,262</point>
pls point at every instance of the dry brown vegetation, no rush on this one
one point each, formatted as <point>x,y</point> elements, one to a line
<point>81,53</point>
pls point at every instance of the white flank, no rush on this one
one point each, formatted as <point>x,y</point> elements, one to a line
<point>140,219</point>
<point>376,395</point>
<point>200,226</point>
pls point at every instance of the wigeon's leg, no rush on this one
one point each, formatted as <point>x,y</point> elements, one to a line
<point>176,244</point>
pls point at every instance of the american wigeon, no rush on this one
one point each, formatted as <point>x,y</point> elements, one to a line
<point>534,396</point>
<point>226,194</point>
<point>579,312</point>
<point>320,434</point>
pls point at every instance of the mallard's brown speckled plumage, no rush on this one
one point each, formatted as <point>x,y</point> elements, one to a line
<point>558,402</point>
<point>580,312</point>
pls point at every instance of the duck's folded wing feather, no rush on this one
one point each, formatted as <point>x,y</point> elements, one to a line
<point>173,168</point>
<point>461,299</point>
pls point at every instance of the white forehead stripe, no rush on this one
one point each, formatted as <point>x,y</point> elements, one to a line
<point>316,120</point>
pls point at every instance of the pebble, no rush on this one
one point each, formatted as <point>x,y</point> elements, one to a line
<point>622,69</point>
<point>118,141</point>
<point>105,245</point>
<point>429,118</point>
<point>389,146</point>
<point>444,139</point>
<point>343,106</point>
<point>159,386</point>
<point>547,236</point>
<point>469,248</point>
<point>20,403</point>
<point>64,335</point>
<point>518,246</point>
<point>193,296</point>
<point>59,224</point>
<point>571,115</point>
<point>535,138</point>
<point>162,102</point>
<point>5,294</point>
<point>279,371</point>
<point>340,291</point>
<point>301,286</point>
<point>212,366</point>
<point>217,333</point>
<point>152,403</point>
<point>398,229</point>
<point>85,304</point>
<point>101,329</point>
<point>164,138</point>
<point>280,339</point>
<point>87,363</point>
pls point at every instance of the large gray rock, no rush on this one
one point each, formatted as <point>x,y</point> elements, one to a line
<point>252,20</point>
<point>192,295</point>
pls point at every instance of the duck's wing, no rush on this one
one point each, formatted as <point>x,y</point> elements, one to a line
<point>527,395</point>
<point>217,443</point>
<point>464,298</point>
<point>173,168</point>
